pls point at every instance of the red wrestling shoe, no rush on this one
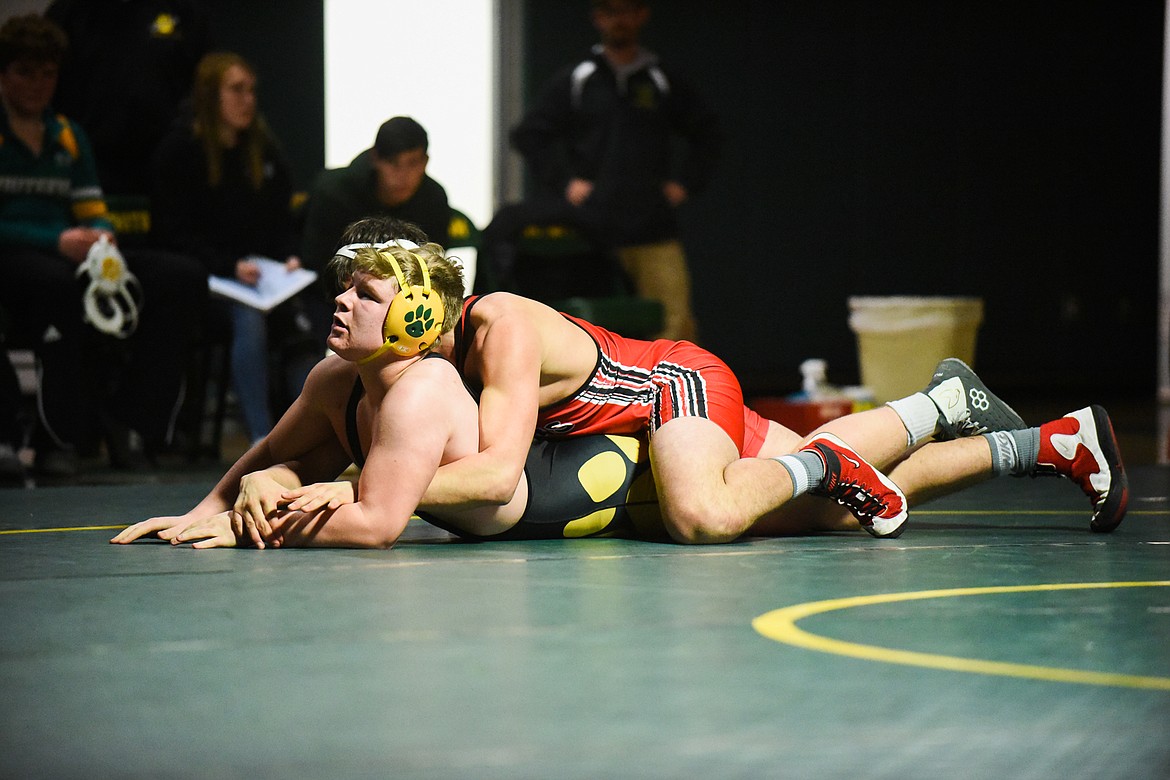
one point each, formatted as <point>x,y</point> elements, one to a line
<point>869,495</point>
<point>1082,447</point>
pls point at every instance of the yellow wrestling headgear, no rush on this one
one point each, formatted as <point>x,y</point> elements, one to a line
<point>414,320</point>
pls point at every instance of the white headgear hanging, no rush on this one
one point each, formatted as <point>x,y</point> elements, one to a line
<point>114,295</point>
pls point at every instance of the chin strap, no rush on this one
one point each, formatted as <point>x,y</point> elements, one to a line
<point>379,352</point>
<point>114,296</point>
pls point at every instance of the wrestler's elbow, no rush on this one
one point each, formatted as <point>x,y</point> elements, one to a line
<point>381,537</point>
<point>357,525</point>
<point>499,493</point>
<point>501,485</point>
<point>380,542</point>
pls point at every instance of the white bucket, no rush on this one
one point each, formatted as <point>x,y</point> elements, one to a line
<point>901,339</point>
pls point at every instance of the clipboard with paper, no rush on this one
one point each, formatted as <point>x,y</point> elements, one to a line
<point>276,285</point>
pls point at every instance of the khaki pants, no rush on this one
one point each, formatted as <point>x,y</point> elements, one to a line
<point>659,272</point>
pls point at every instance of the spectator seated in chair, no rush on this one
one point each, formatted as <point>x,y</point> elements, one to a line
<point>223,192</point>
<point>123,385</point>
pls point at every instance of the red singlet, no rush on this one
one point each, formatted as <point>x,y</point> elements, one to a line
<point>638,386</point>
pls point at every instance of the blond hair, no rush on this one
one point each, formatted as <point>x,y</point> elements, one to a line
<point>446,275</point>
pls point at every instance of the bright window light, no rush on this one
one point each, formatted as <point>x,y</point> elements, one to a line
<point>431,60</point>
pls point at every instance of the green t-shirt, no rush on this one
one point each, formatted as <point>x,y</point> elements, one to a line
<point>42,195</point>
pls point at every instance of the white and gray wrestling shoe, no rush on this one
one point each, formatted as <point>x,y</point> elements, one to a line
<point>967,407</point>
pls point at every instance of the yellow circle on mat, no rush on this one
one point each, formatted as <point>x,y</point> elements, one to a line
<point>780,624</point>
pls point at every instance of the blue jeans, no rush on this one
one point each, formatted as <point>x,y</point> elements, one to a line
<point>250,368</point>
<point>252,353</point>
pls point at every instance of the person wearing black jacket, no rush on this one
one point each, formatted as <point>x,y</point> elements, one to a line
<point>387,180</point>
<point>222,192</point>
<point>599,137</point>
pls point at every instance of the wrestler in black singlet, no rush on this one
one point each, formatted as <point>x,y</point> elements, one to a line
<point>578,487</point>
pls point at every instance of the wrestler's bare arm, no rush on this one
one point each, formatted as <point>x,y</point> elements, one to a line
<point>404,455</point>
<point>304,438</point>
<point>510,364</point>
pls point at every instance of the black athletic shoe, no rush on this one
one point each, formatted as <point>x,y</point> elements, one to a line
<point>967,407</point>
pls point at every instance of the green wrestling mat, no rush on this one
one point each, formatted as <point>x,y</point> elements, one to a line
<point>996,638</point>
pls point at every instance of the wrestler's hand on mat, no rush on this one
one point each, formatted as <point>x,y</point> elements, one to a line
<point>258,500</point>
<point>165,528</point>
<point>216,531</point>
<point>319,495</point>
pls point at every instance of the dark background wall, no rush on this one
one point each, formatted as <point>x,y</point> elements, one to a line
<point>1003,149</point>
<point>999,148</point>
<point>285,43</point>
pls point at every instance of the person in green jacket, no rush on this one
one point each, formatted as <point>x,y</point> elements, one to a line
<point>52,212</point>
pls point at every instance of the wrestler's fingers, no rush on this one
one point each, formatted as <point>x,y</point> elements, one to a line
<point>250,529</point>
<point>130,533</point>
<point>219,539</point>
<point>257,522</point>
<point>253,508</point>
<point>208,531</point>
<point>296,499</point>
<point>263,526</point>
<point>193,533</point>
<point>294,493</point>
<point>169,533</point>
<point>237,524</point>
<point>309,503</point>
<point>268,505</point>
<point>143,528</point>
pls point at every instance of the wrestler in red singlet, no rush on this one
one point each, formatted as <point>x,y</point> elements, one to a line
<point>639,385</point>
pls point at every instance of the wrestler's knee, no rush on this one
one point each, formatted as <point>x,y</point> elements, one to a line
<point>700,522</point>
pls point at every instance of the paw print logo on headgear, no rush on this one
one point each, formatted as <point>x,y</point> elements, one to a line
<point>414,320</point>
<point>419,321</point>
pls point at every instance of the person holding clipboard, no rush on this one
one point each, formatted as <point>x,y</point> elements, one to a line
<point>222,192</point>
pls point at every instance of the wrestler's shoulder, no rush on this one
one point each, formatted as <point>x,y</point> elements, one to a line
<point>499,303</point>
<point>331,376</point>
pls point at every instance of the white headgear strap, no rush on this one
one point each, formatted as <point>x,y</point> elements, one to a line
<point>350,250</point>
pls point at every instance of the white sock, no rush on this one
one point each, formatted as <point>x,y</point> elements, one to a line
<point>919,414</point>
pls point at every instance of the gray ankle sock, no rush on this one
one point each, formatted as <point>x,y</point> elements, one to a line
<point>1014,452</point>
<point>1028,445</point>
<point>806,469</point>
<point>1004,456</point>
